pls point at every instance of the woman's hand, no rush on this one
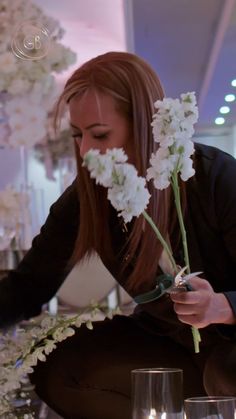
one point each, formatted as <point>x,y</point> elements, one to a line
<point>203,306</point>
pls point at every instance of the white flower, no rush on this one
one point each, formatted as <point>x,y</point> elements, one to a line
<point>27,137</point>
<point>22,109</point>
<point>100,166</point>
<point>127,191</point>
<point>39,355</point>
<point>186,170</point>
<point>50,346</point>
<point>61,334</point>
<point>14,106</point>
<point>172,129</point>
<point>20,351</point>
<point>189,104</point>
<point>7,62</point>
<point>117,155</point>
<point>68,332</point>
<point>60,57</point>
<point>48,322</point>
<point>18,86</point>
<point>19,76</point>
<point>89,324</point>
<point>162,166</point>
<point>78,322</point>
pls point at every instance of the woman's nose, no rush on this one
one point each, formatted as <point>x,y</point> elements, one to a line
<point>84,146</point>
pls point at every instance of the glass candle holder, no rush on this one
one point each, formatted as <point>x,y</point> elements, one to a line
<point>157,393</point>
<point>210,407</point>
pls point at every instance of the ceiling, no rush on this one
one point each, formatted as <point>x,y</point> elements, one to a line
<point>190,43</point>
<point>192,46</point>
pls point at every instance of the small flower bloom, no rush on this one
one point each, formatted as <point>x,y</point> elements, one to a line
<point>117,155</point>
<point>50,346</point>
<point>89,324</point>
<point>100,167</point>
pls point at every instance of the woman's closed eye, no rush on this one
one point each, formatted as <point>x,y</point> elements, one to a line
<point>100,136</point>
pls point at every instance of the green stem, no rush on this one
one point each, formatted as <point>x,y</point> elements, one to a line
<point>175,186</point>
<point>162,240</point>
<point>176,191</point>
<point>196,339</point>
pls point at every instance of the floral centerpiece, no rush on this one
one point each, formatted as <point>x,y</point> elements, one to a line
<point>172,130</point>
<point>27,85</point>
<point>25,345</point>
<point>28,90</point>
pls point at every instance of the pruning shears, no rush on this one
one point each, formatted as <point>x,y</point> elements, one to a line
<point>166,283</point>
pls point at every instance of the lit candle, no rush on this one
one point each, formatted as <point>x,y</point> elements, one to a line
<point>153,414</point>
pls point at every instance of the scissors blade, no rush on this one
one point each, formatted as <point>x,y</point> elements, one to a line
<point>192,275</point>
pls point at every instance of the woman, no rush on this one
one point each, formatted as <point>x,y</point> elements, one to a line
<point>110,100</point>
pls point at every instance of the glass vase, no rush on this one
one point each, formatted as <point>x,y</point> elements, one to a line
<point>210,407</point>
<point>157,393</point>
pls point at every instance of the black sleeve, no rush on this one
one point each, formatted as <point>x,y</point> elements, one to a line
<point>225,202</point>
<point>45,266</point>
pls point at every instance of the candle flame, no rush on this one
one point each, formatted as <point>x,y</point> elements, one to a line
<point>153,414</point>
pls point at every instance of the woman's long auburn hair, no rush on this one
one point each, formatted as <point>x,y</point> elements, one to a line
<point>135,87</point>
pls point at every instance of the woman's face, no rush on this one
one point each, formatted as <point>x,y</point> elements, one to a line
<point>97,124</point>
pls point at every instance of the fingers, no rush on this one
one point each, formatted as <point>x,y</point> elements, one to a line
<point>185,309</point>
<point>191,314</point>
<point>200,287</point>
<point>203,306</point>
<point>192,307</point>
<point>193,320</point>
<point>199,283</point>
<point>187,312</point>
<point>188,297</point>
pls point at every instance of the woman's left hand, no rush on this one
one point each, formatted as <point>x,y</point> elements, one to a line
<point>203,306</point>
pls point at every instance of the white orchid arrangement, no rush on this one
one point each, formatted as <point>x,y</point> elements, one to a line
<point>25,345</point>
<point>172,130</point>
<point>27,86</point>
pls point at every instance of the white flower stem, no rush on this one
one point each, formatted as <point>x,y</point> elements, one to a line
<point>196,339</point>
<point>175,186</point>
<point>162,240</point>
